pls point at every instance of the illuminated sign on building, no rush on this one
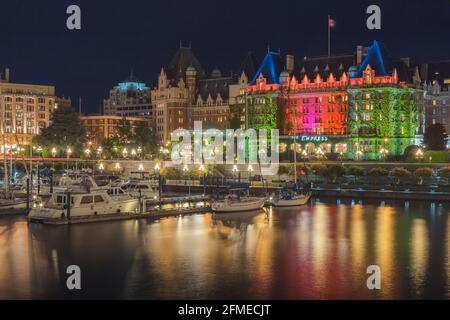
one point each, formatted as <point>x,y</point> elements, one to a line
<point>312,138</point>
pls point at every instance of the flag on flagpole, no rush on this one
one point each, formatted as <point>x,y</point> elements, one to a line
<point>331,22</point>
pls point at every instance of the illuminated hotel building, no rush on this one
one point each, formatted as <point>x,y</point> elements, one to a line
<point>185,93</point>
<point>24,110</point>
<point>340,106</point>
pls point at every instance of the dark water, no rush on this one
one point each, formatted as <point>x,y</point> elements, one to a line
<point>317,252</point>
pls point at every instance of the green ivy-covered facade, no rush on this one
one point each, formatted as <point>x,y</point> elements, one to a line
<point>382,121</point>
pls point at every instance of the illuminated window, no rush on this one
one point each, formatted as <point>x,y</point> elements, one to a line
<point>434,102</point>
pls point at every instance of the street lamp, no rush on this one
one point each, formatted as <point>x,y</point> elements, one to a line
<point>419,154</point>
<point>99,151</point>
<point>235,170</point>
<point>124,152</point>
<point>101,167</point>
<point>384,153</point>
<point>133,152</point>
<point>186,171</point>
<point>202,170</point>
<point>141,167</point>
<point>117,167</point>
<point>250,170</point>
<point>87,151</point>
<point>69,152</point>
<point>157,168</point>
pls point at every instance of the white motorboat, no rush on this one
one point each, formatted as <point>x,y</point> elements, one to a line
<point>290,199</point>
<point>141,188</point>
<point>236,203</point>
<point>92,202</point>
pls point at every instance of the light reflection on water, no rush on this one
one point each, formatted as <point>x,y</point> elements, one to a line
<point>318,252</point>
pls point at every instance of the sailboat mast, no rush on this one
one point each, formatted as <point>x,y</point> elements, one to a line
<point>295,146</point>
<point>5,162</point>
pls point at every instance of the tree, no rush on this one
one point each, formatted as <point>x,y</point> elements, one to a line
<point>64,131</point>
<point>144,137</point>
<point>124,132</point>
<point>435,137</point>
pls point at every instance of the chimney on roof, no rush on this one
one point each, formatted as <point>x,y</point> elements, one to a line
<point>289,63</point>
<point>7,74</point>
<point>406,61</point>
<point>359,54</point>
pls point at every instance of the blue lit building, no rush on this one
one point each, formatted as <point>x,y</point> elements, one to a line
<point>130,97</point>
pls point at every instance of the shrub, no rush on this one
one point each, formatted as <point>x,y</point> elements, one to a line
<point>445,172</point>
<point>319,169</point>
<point>410,153</point>
<point>172,173</point>
<point>336,170</point>
<point>378,172</point>
<point>356,171</point>
<point>436,156</point>
<point>400,172</point>
<point>283,169</point>
<point>423,172</point>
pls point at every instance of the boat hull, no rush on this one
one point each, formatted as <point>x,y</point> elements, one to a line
<point>13,206</point>
<point>130,205</point>
<point>300,201</point>
<point>226,207</point>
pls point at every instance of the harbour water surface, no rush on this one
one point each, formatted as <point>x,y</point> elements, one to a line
<point>319,251</point>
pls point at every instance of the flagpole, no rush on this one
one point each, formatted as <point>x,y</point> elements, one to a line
<point>328,24</point>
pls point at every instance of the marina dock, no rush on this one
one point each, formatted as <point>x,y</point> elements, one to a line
<point>154,213</point>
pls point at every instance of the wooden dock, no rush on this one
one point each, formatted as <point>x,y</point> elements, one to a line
<point>154,213</point>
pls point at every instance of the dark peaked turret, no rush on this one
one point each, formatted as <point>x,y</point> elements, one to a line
<point>182,59</point>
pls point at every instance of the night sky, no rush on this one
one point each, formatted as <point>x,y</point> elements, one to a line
<point>144,35</point>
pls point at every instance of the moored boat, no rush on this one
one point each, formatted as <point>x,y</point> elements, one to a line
<point>290,199</point>
<point>236,203</point>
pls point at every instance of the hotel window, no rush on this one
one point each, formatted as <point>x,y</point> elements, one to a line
<point>434,102</point>
<point>367,95</point>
